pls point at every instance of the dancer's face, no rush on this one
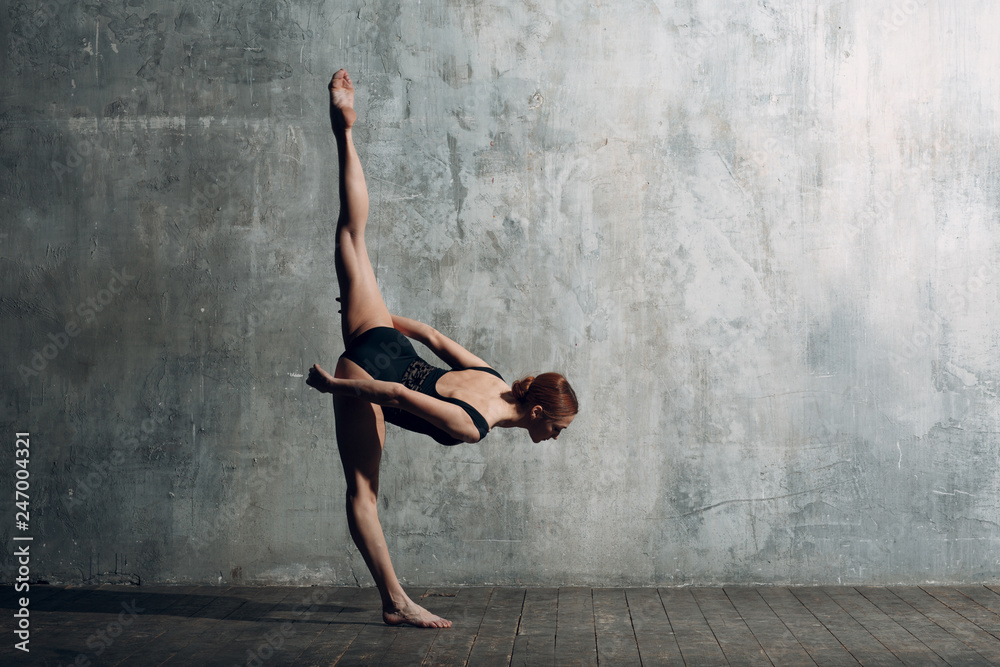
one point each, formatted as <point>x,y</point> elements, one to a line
<point>543,428</point>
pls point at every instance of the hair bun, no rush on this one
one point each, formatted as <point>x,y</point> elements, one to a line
<point>549,391</point>
<point>520,388</point>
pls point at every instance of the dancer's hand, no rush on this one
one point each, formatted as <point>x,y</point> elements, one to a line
<point>321,380</point>
<point>369,390</point>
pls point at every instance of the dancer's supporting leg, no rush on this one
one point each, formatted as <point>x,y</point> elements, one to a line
<point>360,427</point>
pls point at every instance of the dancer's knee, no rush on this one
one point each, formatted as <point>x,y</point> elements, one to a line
<point>351,237</point>
<point>362,501</point>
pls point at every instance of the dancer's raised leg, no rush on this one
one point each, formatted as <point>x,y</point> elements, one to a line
<point>362,306</point>
<point>360,425</point>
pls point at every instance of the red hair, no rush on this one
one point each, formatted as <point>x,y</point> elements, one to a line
<point>551,391</point>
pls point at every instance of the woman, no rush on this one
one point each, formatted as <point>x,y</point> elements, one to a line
<point>380,378</point>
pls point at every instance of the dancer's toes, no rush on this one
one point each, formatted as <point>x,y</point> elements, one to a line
<point>342,112</point>
<point>416,616</point>
<point>320,379</point>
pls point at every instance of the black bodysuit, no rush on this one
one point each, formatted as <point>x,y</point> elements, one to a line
<point>388,355</point>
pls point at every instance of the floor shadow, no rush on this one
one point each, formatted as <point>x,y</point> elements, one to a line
<point>160,601</point>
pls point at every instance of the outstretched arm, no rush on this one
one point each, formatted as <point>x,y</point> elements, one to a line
<point>446,416</point>
<point>445,348</point>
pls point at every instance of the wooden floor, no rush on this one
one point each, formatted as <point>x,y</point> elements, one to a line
<point>205,625</point>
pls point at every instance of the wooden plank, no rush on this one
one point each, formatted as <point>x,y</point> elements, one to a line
<point>295,622</point>
<point>616,643</point>
<point>950,649</point>
<point>153,597</point>
<point>59,636</point>
<point>244,628</point>
<point>774,637</point>
<point>81,619</point>
<point>653,633</point>
<point>862,645</point>
<point>184,604</point>
<point>66,598</point>
<point>954,623</point>
<point>260,602</point>
<point>495,640</point>
<point>821,645</point>
<point>167,599</point>
<point>278,636</point>
<point>411,647</point>
<point>93,600</point>
<point>342,620</point>
<point>82,615</point>
<point>147,603</point>
<point>694,636</point>
<point>730,630</point>
<point>221,607</point>
<point>904,645</point>
<point>452,646</point>
<point>37,595</point>
<point>576,639</point>
<point>373,642</point>
<point>78,627</point>
<point>535,643</point>
<point>967,608</point>
<point>209,626</point>
<point>982,595</point>
<point>249,631</point>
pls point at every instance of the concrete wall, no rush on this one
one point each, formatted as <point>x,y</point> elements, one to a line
<point>760,238</point>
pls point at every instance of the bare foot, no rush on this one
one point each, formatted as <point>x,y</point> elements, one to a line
<point>320,379</point>
<point>415,615</point>
<point>342,113</point>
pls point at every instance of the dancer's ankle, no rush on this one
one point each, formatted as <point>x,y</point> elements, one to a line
<point>396,601</point>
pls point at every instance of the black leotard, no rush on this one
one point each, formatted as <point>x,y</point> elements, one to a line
<point>388,355</point>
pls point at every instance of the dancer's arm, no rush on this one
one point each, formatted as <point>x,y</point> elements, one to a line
<point>445,348</point>
<point>446,416</point>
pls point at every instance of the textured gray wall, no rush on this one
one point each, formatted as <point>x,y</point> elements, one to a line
<point>760,238</point>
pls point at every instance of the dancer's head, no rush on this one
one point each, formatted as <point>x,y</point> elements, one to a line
<point>550,402</point>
